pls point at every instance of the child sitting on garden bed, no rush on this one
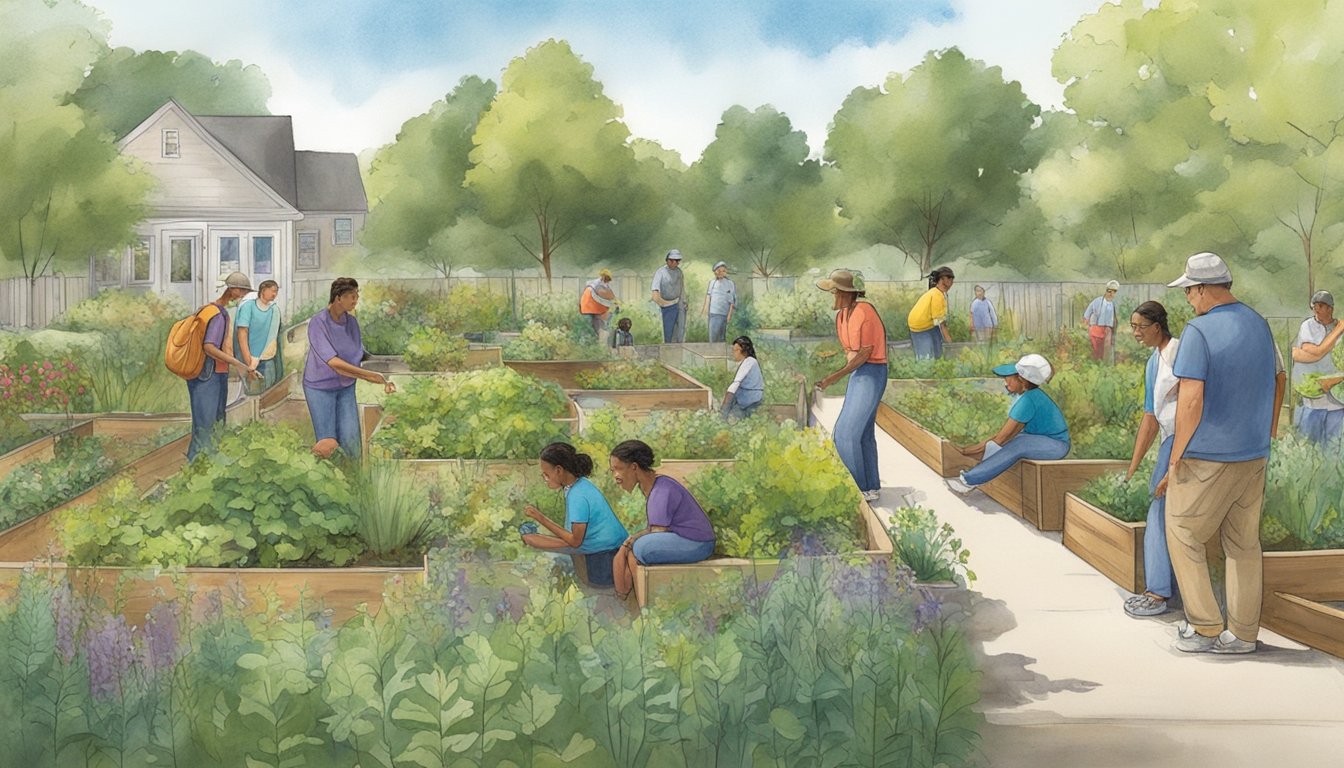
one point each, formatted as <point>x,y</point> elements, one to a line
<point>1035,428</point>
<point>591,528</point>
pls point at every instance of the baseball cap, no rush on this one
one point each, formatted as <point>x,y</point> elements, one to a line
<point>1201,269</point>
<point>1322,297</point>
<point>238,280</point>
<point>673,254</point>
<point>1113,285</point>
<point>1033,368</point>
<point>718,264</point>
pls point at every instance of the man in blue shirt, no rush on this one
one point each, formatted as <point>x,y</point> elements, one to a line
<point>984,320</point>
<point>1230,388</point>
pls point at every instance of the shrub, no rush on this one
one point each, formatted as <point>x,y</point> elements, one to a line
<point>45,386</point>
<point>554,310</point>
<point>37,486</point>
<point>492,413</point>
<point>676,434</point>
<point>468,309</point>
<point>806,309</point>
<point>626,375</point>
<point>932,551</point>
<point>125,313</point>
<point>542,342</point>
<point>1304,496</point>
<point>431,349</point>
<point>262,499</point>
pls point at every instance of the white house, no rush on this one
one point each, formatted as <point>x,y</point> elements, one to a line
<point>233,194</point>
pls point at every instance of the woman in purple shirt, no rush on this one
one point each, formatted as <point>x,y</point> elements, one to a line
<point>678,530</point>
<point>335,350</point>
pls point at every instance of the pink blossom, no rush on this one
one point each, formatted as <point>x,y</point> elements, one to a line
<point>27,379</point>
<point>46,365</point>
<point>80,391</point>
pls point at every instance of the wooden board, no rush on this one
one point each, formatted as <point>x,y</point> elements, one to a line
<point>1114,547</point>
<point>1317,575</point>
<point>1306,621</point>
<point>933,451</point>
<point>41,449</point>
<point>1045,484</point>
<point>686,392</point>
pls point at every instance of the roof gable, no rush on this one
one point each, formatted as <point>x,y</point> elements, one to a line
<point>265,144</point>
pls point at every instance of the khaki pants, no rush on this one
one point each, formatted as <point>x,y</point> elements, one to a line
<point>1208,498</point>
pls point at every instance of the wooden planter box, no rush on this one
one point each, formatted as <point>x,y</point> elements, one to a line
<point>1296,586</point>
<point>479,356</point>
<point>659,581</point>
<point>43,448</point>
<point>695,353</point>
<point>1113,547</point>
<point>137,590</point>
<point>687,393</point>
<point>992,385</point>
<point>935,452</point>
<point>1035,490</point>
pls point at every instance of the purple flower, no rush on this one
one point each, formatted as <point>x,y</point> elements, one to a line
<point>110,653</point>
<point>161,640</point>
<point>926,612</point>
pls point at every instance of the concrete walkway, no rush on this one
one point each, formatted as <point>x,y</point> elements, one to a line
<point>1071,681</point>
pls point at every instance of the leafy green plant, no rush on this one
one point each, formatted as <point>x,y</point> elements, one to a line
<point>469,309</point>
<point>678,434</point>
<point>1304,496</point>
<point>959,412</point>
<point>492,413</point>
<point>543,342</point>
<point>37,486</point>
<point>806,309</point>
<point>626,374</point>
<point>930,549</point>
<point>393,512</point>
<point>432,349</point>
<point>261,499</point>
<point>1310,385</point>
<point>1126,500</point>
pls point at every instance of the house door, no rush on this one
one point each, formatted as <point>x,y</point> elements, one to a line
<point>182,267</point>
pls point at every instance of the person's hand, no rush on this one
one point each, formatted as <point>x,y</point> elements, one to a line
<point>252,366</point>
<point>1161,489</point>
<point>1129,474</point>
<point>252,373</point>
<point>389,386</point>
<point>533,513</point>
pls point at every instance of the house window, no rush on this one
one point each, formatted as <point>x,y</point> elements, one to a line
<point>262,256</point>
<point>172,147</point>
<point>141,265</point>
<point>345,232</point>
<point>228,255</point>
<point>180,264</point>
<point>107,268</point>
<point>308,256</point>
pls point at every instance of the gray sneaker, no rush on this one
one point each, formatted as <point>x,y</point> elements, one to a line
<point>958,485</point>
<point>1143,606</point>
<point>1230,643</point>
<point>1190,641</point>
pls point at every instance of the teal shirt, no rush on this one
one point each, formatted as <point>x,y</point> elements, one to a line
<point>1041,416</point>
<point>261,326</point>
<point>584,503</point>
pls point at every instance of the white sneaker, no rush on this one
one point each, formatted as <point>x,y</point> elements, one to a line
<point>958,485</point>
<point>1230,643</point>
<point>871,496</point>
<point>1190,641</point>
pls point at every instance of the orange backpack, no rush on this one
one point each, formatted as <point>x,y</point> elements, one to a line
<point>184,354</point>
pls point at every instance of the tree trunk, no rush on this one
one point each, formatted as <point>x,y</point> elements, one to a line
<point>32,302</point>
<point>1311,272</point>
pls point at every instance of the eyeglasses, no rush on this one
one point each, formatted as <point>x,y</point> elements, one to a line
<point>1141,326</point>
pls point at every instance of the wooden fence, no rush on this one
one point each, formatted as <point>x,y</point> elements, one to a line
<point>23,305</point>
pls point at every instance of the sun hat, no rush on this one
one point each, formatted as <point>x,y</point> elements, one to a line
<point>1322,297</point>
<point>1113,285</point>
<point>842,280</point>
<point>718,264</point>
<point>1033,368</point>
<point>238,280</point>
<point>674,255</point>
<point>605,274</point>
<point>1203,268</point>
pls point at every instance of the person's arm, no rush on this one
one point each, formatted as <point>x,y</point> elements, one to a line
<point>1189,412</point>
<point>658,299</point>
<point>569,538</point>
<point>1011,428</point>
<point>852,365</point>
<point>1142,442</point>
<point>1307,352</point>
<point>736,382</point>
<point>216,353</point>
<point>355,372</point>
<point>1280,387</point>
<point>248,360</point>
<point>705,309</point>
<point>732,304</point>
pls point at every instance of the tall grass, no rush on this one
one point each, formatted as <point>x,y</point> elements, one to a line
<point>394,511</point>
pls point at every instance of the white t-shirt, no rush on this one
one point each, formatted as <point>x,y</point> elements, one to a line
<point>1164,390</point>
<point>1314,333</point>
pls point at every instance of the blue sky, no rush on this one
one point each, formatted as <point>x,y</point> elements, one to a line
<point>351,71</point>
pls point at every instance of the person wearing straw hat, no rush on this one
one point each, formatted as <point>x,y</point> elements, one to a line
<point>1035,428</point>
<point>208,393</point>
<point>864,339</point>
<point>1319,418</point>
<point>1099,317</point>
<point>596,303</point>
<point>669,293</point>
<point>720,301</point>
<point>1230,388</point>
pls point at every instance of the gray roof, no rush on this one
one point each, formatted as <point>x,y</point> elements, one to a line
<point>329,181</point>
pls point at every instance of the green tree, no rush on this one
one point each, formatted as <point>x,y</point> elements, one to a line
<point>418,202</point>
<point>931,161</point>
<point>554,165</point>
<point>65,191</point>
<point>755,188</point>
<point>124,87</point>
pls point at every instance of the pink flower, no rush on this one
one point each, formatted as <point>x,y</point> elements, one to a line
<point>46,365</point>
<point>27,379</point>
<point>80,391</point>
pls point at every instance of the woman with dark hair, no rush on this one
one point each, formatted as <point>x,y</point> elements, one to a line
<point>864,340</point>
<point>678,529</point>
<point>1150,328</point>
<point>591,528</point>
<point>745,394</point>
<point>335,350</point>
<point>928,318</point>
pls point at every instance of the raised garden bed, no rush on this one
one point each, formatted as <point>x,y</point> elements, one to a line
<point>1297,586</point>
<point>1114,547</point>
<point>686,392</point>
<point>935,452</point>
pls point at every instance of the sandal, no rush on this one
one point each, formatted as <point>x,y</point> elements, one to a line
<point>1146,605</point>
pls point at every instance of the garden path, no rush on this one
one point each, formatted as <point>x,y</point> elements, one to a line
<point>1071,681</point>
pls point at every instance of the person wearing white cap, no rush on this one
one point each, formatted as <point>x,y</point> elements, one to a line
<point>1230,387</point>
<point>669,293</point>
<point>1035,428</point>
<point>1099,317</point>
<point>1319,418</point>
<point>208,393</point>
<point>720,301</point>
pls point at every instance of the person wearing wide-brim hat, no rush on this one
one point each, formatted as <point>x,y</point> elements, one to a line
<point>208,392</point>
<point>1319,418</point>
<point>720,301</point>
<point>864,339</point>
<point>1035,428</point>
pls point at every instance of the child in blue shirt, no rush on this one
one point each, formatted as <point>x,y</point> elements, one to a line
<point>591,527</point>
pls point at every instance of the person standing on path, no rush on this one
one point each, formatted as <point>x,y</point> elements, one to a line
<point>1227,411</point>
<point>208,392</point>
<point>984,320</point>
<point>864,340</point>
<point>720,301</point>
<point>669,293</point>
<point>1319,418</point>
<point>1149,324</point>
<point>1099,317</point>
<point>258,331</point>
<point>928,318</point>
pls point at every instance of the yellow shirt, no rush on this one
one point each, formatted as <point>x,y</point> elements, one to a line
<point>930,310</point>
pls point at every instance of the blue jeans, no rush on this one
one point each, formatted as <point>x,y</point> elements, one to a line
<point>718,327</point>
<point>208,399</point>
<point>928,344</point>
<point>999,459</point>
<point>673,328</point>
<point>335,414</point>
<point>1157,572</point>
<point>736,410</point>
<point>856,427</point>
<point>666,548</point>
<point>1319,425</point>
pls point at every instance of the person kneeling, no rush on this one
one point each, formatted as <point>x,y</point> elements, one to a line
<point>591,528</point>
<point>1035,428</point>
